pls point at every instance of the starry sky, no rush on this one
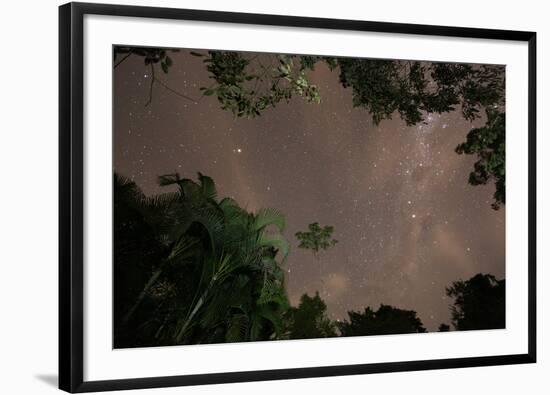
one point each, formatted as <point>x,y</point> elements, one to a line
<point>407,221</point>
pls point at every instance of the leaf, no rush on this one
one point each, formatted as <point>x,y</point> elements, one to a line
<point>184,243</point>
<point>276,241</point>
<point>169,179</point>
<point>318,238</point>
<point>269,216</point>
<point>238,328</point>
<point>208,187</point>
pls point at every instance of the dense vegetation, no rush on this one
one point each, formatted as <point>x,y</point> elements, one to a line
<point>191,268</point>
<point>479,303</point>
<point>249,84</point>
<point>387,320</point>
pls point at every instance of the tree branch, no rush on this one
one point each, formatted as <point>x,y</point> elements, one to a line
<point>175,91</point>
<point>122,60</point>
<point>151,86</point>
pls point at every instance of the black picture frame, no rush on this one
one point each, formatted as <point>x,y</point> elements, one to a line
<point>71,223</point>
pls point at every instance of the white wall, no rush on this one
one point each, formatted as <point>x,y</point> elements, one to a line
<point>28,175</point>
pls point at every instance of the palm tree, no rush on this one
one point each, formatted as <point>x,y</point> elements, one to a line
<point>221,264</point>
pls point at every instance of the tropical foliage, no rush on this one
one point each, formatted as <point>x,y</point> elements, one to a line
<point>249,84</point>
<point>309,320</point>
<point>191,268</point>
<point>479,303</point>
<point>246,92</point>
<point>488,143</point>
<point>387,320</point>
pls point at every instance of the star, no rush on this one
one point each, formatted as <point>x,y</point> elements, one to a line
<point>361,183</point>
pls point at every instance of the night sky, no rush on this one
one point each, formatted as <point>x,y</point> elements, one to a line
<point>407,221</point>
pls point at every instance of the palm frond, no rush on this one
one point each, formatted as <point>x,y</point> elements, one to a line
<point>169,179</point>
<point>271,266</point>
<point>212,220</point>
<point>161,202</point>
<point>124,189</point>
<point>269,216</point>
<point>271,315</point>
<point>183,245</point>
<point>216,310</point>
<point>276,241</point>
<point>208,188</point>
<point>237,328</point>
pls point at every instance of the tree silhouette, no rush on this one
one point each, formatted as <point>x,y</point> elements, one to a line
<point>488,143</point>
<point>248,84</point>
<point>309,320</point>
<point>190,268</point>
<point>479,303</point>
<point>136,253</point>
<point>152,57</point>
<point>444,328</point>
<point>387,320</point>
<point>317,238</point>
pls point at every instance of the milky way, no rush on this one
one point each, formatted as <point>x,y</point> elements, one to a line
<point>407,221</point>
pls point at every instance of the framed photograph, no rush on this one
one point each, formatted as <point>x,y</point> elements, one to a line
<point>253,197</point>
